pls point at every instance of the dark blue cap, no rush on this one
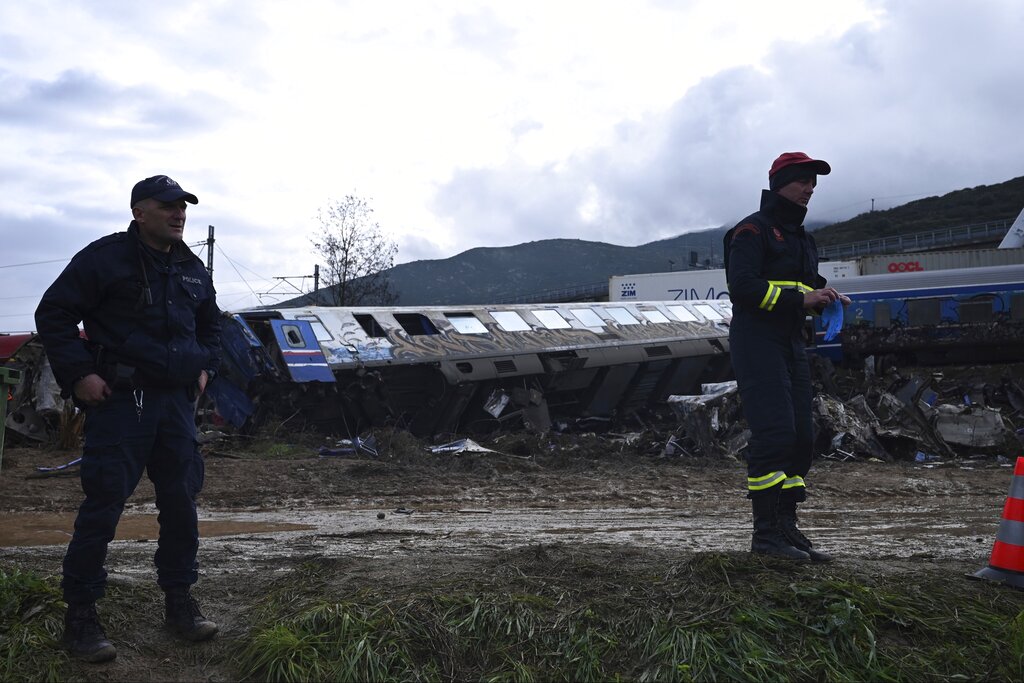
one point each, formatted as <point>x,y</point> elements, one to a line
<point>162,189</point>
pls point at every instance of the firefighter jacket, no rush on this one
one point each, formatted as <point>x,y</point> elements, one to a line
<point>152,312</point>
<point>770,262</point>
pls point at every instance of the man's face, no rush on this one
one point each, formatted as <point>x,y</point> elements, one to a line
<point>799,191</point>
<point>161,224</point>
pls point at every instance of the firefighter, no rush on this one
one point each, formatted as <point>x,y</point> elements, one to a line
<point>151,318</point>
<point>771,266</point>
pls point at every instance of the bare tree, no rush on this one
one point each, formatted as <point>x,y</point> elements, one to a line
<point>356,254</point>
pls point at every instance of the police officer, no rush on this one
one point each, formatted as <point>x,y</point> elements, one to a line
<point>150,346</point>
<point>772,272</point>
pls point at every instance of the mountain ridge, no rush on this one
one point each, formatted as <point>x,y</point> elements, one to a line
<point>492,274</point>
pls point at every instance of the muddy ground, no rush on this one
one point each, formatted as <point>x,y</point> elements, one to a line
<point>410,519</point>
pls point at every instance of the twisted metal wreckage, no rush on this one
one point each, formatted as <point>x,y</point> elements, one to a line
<point>478,369</point>
<point>435,370</point>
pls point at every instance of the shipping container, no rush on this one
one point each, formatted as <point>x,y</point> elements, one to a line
<point>690,285</point>
<point>914,262</point>
<point>681,285</point>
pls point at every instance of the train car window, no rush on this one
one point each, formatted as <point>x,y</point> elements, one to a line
<point>654,316</point>
<point>318,327</point>
<point>370,325</point>
<point>466,323</point>
<point>683,313</point>
<point>622,316</point>
<point>976,311</point>
<point>510,321</point>
<point>551,319</point>
<point>883,315</point>
<point>709,312</point>
<point>924,312</point>
<point>293,337</point>
<point>1017,307</point>
<point>587,317</point>
<point>415,324</point>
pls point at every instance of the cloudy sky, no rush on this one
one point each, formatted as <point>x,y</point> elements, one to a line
<point>469,124</point>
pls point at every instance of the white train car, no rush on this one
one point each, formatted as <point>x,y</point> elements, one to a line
<point>447,369</point>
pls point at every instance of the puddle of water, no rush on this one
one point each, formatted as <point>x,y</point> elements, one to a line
<point>44,528</point>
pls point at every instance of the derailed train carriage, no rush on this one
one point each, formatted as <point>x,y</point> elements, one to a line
<point>468,369</point>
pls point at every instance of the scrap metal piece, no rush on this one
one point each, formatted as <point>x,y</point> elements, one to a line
<point>460,446</point>
<point>970,425</point>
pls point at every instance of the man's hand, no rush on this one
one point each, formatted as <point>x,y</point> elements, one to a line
<point>91,390</point>
<point>819,298</point>
<point>203,379</point>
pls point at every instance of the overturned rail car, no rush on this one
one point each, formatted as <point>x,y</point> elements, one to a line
<point>467,369</point>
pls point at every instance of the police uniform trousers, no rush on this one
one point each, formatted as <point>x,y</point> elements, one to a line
<point>774,381</point>
<point>121,442</point>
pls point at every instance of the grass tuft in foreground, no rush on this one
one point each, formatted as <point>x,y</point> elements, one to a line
<point>31,621</point>
<point>715,617</point>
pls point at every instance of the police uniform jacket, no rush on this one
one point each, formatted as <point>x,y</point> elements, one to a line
<point>771,261</point>
<point>153,312</point>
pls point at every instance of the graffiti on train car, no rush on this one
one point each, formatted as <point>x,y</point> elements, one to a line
<point>475,369</point>
<point>933,317</point>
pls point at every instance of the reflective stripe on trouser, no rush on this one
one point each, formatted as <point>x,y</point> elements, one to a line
<point>774,381</point>
<point>119,445</point>
<point>771,479</point>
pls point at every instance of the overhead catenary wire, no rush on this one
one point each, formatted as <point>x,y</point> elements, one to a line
<point>224,254</point>
<point>36,263</point>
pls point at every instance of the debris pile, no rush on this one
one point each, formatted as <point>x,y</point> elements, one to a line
<point>913,414</point>
<point>927,415</point>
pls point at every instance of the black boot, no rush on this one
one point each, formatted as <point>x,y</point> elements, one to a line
<point>83,635</point>
<point>768,537</point>
<point>185,618</point>
<point>787,522</point>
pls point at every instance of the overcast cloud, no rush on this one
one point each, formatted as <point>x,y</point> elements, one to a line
<point>482,124</point>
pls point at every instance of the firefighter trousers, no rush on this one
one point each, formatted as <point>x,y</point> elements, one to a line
<point>774,381</point>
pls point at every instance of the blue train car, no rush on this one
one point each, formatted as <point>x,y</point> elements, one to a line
<point>931,317</point>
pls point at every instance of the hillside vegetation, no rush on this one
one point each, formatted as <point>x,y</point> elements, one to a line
<point>493,275</point>
<point>982,204</point>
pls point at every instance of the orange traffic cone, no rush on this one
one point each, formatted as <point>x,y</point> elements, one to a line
<point>1007,562</point>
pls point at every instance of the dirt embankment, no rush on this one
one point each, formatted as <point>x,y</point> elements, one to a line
<point>577,507</point>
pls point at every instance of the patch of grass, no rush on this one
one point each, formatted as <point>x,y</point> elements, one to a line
<point>715,617</point>
<point>31,621</point>
<point>276,442</point>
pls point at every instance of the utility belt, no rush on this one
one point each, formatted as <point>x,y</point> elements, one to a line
<point>124,377</point>
<point>116,374</point>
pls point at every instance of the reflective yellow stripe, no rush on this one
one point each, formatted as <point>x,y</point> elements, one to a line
<point>765,482</point>
<point>791,284</point>
<point>775,287</point>
<point>794,482</point>
<point>770,297</point>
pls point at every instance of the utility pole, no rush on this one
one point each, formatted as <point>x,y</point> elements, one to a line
<point>316,285</point>
<point>209,252</point>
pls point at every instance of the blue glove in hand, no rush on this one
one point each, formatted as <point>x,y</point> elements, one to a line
<point>832,317</point>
